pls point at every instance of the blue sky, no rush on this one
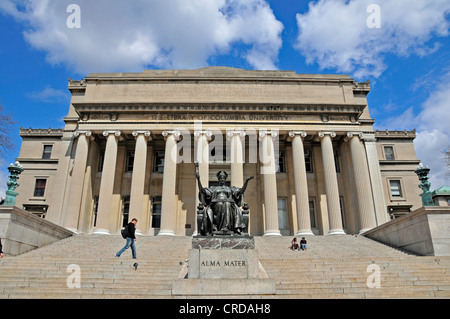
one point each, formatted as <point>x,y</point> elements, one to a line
<point>406,57</point>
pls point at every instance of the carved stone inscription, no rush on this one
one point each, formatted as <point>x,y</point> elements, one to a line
<point>214,92</point>
<point>219,117</point>
<point>232,263</point>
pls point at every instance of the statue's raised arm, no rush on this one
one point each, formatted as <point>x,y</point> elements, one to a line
<point>242,190</point>
<point>197,175</point>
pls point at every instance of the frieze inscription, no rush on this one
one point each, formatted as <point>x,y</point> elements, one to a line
<point>216,117</point>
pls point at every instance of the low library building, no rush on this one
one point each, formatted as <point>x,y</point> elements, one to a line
<point>132,141</point>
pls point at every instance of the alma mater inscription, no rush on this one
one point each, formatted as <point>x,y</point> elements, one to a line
<point>226,263</point>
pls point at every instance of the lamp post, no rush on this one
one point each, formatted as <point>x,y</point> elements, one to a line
<point>422,173</point>
<point>14,170</point>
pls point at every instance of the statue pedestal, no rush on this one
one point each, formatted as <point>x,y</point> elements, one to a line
<point>223,266</point>
<point>223,257</point>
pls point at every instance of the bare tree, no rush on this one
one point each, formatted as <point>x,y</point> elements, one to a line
<point>446,152</point>
<point>6,125</point>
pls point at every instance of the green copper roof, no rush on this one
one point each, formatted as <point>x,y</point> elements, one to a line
<point>444,190</point>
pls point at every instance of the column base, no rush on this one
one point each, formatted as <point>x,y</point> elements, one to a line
<point>336,232</point>
<point>101,232</point>
<point>272,233</point>
<point>166,233</point>
<point>138,232</point>
<point>305,233</point>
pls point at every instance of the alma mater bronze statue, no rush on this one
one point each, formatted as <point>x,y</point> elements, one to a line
<point>222,207</point>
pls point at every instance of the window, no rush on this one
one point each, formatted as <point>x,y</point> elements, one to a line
<point>342,207</point>
<point>217,155</point>
<point>125,210</point>
<point>39,189</point>
<point>336,161</point>
<point>95,208</point>
<point>100,161</point>
<point>281,166</point>
<point>396,188</point>
<point>47,152</point>
<point>312,213</point>
<point>308,161</point>
<point>159,162</point>
<point>283,221</point>
<point>389,153</point>
<point>130,161</point>
<point>156,212</point>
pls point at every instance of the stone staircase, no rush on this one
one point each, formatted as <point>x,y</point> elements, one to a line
<point>332,267</point>
<point>343,267</point>
<point>43,273</point>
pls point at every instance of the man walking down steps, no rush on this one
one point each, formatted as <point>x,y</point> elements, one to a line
<point>129,234</point>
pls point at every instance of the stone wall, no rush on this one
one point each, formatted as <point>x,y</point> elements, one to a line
<point>426,231</point>
<point>22,231</point>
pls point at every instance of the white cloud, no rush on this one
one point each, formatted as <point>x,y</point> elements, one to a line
<point>433,129</point>
<point>131,35</point>
<point>49,94</point>
<point>335,34</point>
<point>3,177</point>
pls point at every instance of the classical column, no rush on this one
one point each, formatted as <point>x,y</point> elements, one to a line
<point>61,184</point>
<point>138,179</point>
<point>77,180</point>
<point>381,213</point>
<point>169,203</point>
<point>202,158</point>
<point>362,183</point>
<point>107,183</point>
<point>237,157</point>
<point>331,184</point>
<point>270,182</point>
<point>300,184</point>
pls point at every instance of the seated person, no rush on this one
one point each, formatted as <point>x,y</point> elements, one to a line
<point>294,244</point>
<point>303,244</point>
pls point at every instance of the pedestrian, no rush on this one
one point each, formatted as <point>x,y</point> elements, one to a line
<point>294,244</point>
<point>129,235</point>
<point>303,244</point>
<point>1,250</point>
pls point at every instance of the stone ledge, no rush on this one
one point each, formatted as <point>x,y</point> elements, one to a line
<point>220,287</point>
<point>424,232</point>
<point>22,231</point>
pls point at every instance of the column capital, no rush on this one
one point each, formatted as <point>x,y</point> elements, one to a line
<point>117,133</point>
<point>175,133</point>
<point>302,134</point>
<point>369,137</point>
<point>147,134</point>
<point>207,133</point>
<point>78,133</point>
<point>350,135</point>
<point>87,133</point>
<point>263,133</point>
<point>238,132</point>
<point>322,134</point>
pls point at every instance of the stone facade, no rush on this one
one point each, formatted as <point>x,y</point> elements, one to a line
<point>130,141</point>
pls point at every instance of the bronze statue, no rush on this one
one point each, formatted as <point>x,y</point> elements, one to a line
<point>222,207</point>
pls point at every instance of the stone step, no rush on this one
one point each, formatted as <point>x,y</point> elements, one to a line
<point>332,267</point>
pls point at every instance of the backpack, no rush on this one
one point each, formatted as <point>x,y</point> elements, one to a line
<point>124,233</point>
